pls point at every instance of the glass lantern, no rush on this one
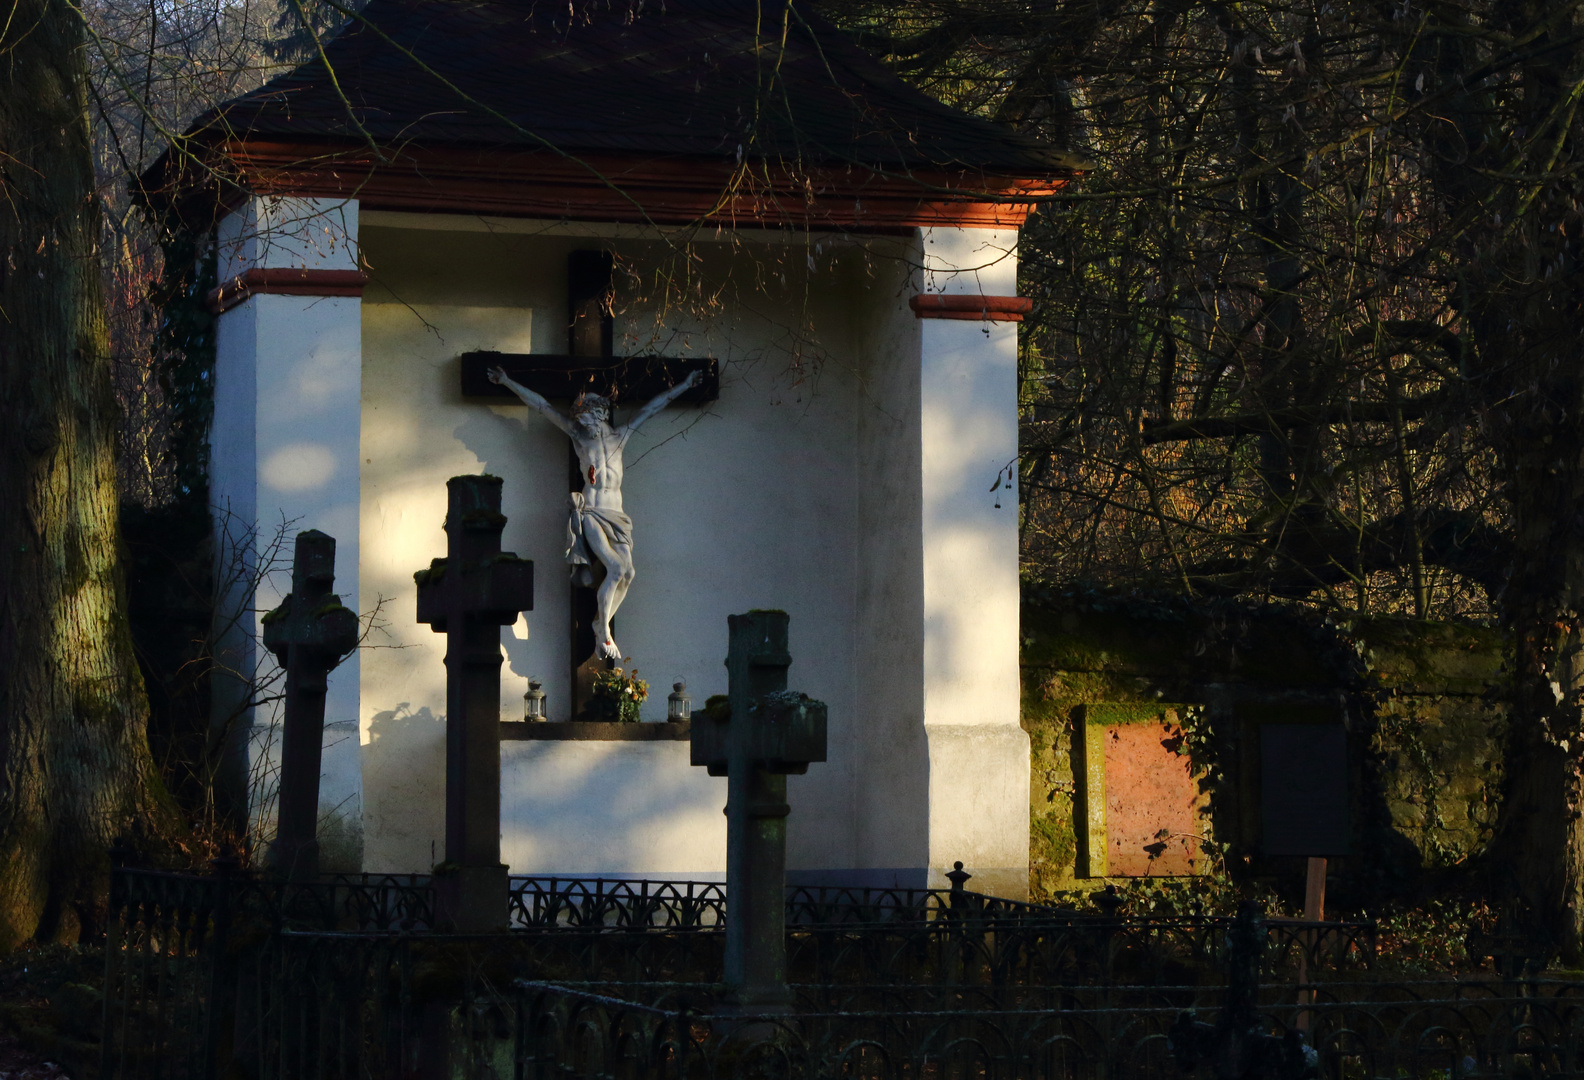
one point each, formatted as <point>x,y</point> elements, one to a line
<point>534,702</point>
<point>679,706</point>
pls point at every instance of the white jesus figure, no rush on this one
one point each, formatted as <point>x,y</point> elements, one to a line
<point>597,528</point>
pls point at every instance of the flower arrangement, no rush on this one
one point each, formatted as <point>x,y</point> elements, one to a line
<point>618,694</point>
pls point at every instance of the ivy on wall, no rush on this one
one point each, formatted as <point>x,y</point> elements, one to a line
<point>1422,702</point>
<point>187,352</point>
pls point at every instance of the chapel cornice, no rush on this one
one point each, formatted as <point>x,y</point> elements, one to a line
<point>217,175</point>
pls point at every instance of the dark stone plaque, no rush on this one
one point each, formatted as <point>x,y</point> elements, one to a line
<point>1303,789</point>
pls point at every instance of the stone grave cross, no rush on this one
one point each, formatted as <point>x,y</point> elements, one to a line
<point>468,596</point>
<point>765,733</point>
<point>309,633</point>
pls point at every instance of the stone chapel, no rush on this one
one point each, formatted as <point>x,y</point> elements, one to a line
<point>609,196</point>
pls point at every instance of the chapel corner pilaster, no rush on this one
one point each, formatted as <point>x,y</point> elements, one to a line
<point>289,233</point>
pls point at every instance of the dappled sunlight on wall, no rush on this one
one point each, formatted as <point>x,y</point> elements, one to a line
<point>611,807</point>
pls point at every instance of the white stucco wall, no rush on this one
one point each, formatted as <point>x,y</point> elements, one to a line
<point>750,503</point>
<point>891,793</point>
<point>978,750</point>
<point>843,476</point>
<point>601,807</point>
<point>944,760</point>
<point>284,457</point>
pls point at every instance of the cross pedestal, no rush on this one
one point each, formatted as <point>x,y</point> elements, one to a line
<point>309,634</point>
<point>765,733</point>
<point>468,596</point>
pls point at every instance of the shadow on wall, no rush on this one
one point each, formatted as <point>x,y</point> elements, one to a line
<point>404,790</point>
<point>566,807</point>
<point>609,807</point>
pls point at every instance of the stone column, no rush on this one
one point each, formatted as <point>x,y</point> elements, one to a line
<point>285,448</point>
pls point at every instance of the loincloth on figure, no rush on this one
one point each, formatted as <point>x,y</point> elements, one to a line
<point>613,525</point>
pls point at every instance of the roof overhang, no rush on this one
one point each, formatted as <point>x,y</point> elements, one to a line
<point>214,177</point>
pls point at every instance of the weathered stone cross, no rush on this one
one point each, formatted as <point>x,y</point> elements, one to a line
<point>309,634</point>
<point>468,596</point>
<point>765,733</point>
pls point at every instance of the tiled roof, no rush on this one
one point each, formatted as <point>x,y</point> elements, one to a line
<point>698,78</point>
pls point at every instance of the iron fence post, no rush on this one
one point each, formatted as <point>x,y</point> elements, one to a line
<point>115,961</point>
<point>221,1014</point>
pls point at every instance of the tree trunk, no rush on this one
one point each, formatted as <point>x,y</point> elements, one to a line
<point>75,768</point>
<point>1521,297</point>
<point>1540,838</point>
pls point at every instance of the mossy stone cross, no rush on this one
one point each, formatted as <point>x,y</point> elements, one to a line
<point>765,733</point>
<point>468,596</point>
<point>310,633</point>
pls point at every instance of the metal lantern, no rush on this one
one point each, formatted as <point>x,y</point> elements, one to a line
<point>679,706</point>
<point>534,701</point>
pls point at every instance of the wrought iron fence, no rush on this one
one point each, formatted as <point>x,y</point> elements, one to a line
<point>423,1019</point>
<point>587,903</point>
<point>839,904</point>
<point>1468,1032</point>
<point>345,1004</point>
<point>333,901</point>
<point>405,901</point>
<point>597,902</point>
<point>1050,951</point>
<point>351,1005</point>
<point>203,970</point>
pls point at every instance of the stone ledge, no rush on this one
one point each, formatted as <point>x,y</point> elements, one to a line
<point>599,731</point>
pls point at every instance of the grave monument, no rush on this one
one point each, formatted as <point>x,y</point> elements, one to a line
<point>309,633</point>
<point>468,596</point>
<point>603,200</point>
<point>763,734</point>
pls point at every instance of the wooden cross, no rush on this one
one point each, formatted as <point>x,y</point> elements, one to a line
<point>310,633</point>
<point>590,365</point>
<point>468,596</point>
<point>764,734</point>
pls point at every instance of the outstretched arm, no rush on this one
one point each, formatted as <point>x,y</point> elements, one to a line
<point>660,402</point>
<point>531,399</point>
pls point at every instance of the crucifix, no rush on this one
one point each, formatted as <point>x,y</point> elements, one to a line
<point>310,633</point>
<point>468,596</point>
<point>599,542</point>
<point>764,733</point>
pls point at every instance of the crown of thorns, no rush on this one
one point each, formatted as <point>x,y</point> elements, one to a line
<point>591,403</point>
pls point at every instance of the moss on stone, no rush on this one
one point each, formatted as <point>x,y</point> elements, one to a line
<point>480,520</point>
<point>1418,691</point>
<point>1430,657</point>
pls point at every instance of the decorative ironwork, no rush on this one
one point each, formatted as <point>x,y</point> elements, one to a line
<point>571,1030</point>
<point>584,903</point>
<point>206,973</point>
<point>333,901</point>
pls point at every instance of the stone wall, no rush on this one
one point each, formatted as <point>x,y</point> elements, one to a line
<point>1418,699</point>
